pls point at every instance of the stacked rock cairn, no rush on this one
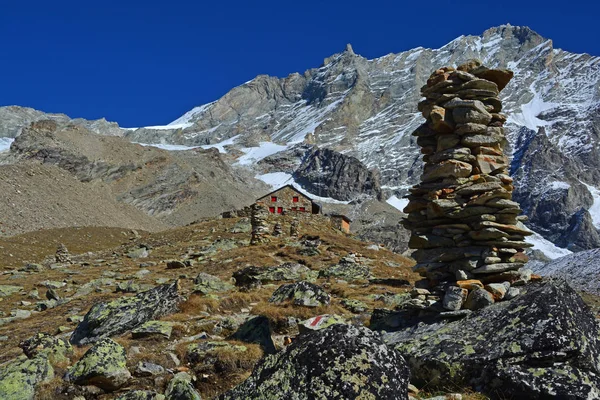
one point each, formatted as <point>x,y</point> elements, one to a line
<point>62,254</point>
<point>260,227</point>
<point>467,231</point>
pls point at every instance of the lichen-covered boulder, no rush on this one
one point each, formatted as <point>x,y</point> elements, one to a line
<point>119,316</point>
<point>542,344</point>
<point>301,294</point>
<point>53,348</point>
<point>20,377</point>
<point>255,276</point>
<point>206,284</point>
<point>141,395</point>
<point>348,269</point>
<point>7,290</point>
<point>181,388</point>
<point>341,362</point>
<point>154,329</point>
<point>104,365</point>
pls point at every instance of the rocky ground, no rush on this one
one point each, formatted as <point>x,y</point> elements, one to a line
<point>158,314</point>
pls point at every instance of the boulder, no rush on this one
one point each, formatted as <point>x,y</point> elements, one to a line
<point>141,395</point>
<point>206,284</point>
<point>542,344</point>
<point>20,377</point>
<point>53,348</point>
<point>320,322</point>
<point>126,313</point>
<point>181,388</point>
<point>341,362</point>
<point>254,276</point>
<point>104,365</point>
<point>347,269</point>
<point>161,329</point>
<point>301,294</point>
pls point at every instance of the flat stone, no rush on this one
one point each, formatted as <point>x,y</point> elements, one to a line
<point>464,115</point>
<point>496,268</point>
<point>498,290</point>
<point>470,284</point>
<point>447,168</point>
<point>153,329</point>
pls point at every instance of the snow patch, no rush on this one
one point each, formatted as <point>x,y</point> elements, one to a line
<point>5,144</point>
<point>528,116</point>
<point>397,203</point>
<point>559,185</point>
<point>255,154</point>
<point>279,179</point>
<point>186,119</point>
<point>221,145</point>
<point>169,147</point>
<point>594,210</point>
<point>547,247</point>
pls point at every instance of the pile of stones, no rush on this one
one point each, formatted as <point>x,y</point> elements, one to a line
<point>464,224</point>
<point>260,227</point>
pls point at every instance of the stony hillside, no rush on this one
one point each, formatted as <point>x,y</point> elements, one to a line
<point>116,314</point>
<point>159,187</point>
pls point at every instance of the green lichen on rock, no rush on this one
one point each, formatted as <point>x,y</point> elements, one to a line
<point>347,269</point>
<point>104,365</point>
<point>153,329</point>
<point>55,349</point>
<point>542,344</point>
<point>341,362</point>
<point>20,377</point>
<point>255,276</point>
<point>118,316</point>
<point>141,395</point>
<point>204,352</point>
<point>301,294</point>
<point>355,306</point>
<point>206,284</point>
<point>181,388</point>
<point>320,322</point>
<point>7,290</point>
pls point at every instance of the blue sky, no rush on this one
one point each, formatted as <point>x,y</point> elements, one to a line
<point>147,62</point>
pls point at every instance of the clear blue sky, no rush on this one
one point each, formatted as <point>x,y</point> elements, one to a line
<point>147,62</point>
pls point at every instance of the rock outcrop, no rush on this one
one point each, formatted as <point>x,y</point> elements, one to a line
<point>340,362</point>
<point>104,365</point>
<point>118,316</point>
<point>543,344</point>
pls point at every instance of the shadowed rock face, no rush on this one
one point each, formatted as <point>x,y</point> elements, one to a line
<point>543,344</point>
<point>118,316</point>
<point>340,362</point>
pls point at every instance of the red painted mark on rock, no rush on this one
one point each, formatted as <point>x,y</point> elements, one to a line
<point>316,320</point>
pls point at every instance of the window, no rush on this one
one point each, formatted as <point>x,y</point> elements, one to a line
<point>271,209</point>
<point>295,199</point>
<point>302,208</point>
<point>279,210</point>
<point>273,199</point>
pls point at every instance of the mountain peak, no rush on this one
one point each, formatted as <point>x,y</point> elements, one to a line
<point>349,49</point>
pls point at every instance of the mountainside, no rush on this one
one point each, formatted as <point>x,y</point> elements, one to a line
<point>295,129</point>
<point>116,183</point>
<point>368,108</point>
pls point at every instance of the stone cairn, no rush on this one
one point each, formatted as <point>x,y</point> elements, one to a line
<point>277,230</point>
<point>260,227</point>
<point>294,228</point>
<point>62,254</point>
<point>466,230</point>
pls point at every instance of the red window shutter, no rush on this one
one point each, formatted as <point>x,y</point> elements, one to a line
<point>279,210</point>
<point>271,209</point>
<point>302,209</point>
<point>273,198</point>
<point>295,199</point>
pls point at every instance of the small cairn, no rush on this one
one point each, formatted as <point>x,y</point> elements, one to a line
<point>466,230</point>
<point>260,227</point>
<point>62,255</point>
<point>277,230</point>
<point>294,228</point>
